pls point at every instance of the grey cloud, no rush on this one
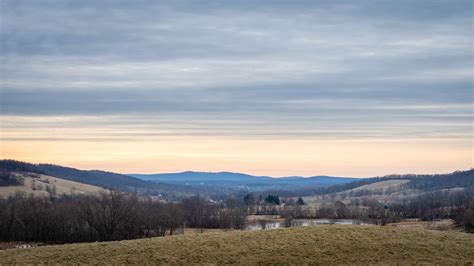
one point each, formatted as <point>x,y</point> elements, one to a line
<point>257,68</point>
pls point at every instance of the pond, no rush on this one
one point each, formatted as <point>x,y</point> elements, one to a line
<point>259,225</point>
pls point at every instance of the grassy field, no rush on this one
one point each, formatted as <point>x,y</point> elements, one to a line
<point>62,186</point>
<point>318,245</point>
<point>380,186</point>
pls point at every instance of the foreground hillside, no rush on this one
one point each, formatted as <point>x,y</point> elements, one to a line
<point>322,244</point>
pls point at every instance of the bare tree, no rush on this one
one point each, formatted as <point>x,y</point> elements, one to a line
<point>108,213</point>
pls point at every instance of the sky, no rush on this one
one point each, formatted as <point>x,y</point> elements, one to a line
<point>344,88</point>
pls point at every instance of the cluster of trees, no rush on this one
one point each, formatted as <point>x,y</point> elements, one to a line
<point>9,179</point>
<point>435,205</point>
<point>465,217</point>
<point>366,209</point>
<point>112,215</point>
<point>199,213</point>
<point>272,199</point>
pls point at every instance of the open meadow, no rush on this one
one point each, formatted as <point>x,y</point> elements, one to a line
<point>318,245</point>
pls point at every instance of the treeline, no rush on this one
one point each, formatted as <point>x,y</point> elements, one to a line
<point>465,217</point>
<point>435,205</point>
<point>112,215</point>
<point>459,179</point>
<point>18,166</point>
<point>366,209</point>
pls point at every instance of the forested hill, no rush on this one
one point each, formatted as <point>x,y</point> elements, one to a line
<point>458,179</point>
<point>97,178</point>
<point>426,183</point>
<point>94,177</point>
<point>462,179</point>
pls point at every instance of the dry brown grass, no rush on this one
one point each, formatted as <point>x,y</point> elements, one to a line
<point>446,224</point>
<point>380,186</point>
<point>254,218</point>
<point>387,190</point>
<point>316,245</point>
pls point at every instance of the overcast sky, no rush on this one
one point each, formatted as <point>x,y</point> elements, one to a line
<point>83,73</point>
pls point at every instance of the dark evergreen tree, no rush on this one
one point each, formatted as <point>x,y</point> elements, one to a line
<point>300,201</point>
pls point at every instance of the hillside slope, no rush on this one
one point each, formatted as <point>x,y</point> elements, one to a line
<point>395,188</point>
<point>420,183</point>
<point>38,184</point>
<point>97,178</point>
<point>92,177</point>
<point>321,245</point>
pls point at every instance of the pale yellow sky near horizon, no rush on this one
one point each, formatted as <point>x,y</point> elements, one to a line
<point>273,157</point>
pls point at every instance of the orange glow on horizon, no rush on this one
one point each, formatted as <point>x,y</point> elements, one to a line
<point>358,158</point>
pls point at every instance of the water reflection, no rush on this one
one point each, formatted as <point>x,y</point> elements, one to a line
<point>259,225</point>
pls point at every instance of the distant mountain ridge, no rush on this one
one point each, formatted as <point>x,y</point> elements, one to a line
<point>239,179</point>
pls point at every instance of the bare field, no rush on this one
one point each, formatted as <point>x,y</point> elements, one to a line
<point>383,190</point>
<point>316,245</point>
<point>253,218</point>
<point>61,186</point>
<point>445,224</point>
<point>382,185</point>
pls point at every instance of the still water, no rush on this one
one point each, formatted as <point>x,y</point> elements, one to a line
<point>259,225</point>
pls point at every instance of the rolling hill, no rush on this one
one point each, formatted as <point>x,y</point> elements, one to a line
<point>99,178</point>
<point>304,245</point>
<point>420,183</point>
<point>94,177</point>
<point>421,192</point>
<point>229,179</point>
<point>38,184</point>
<point>406,185</point>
